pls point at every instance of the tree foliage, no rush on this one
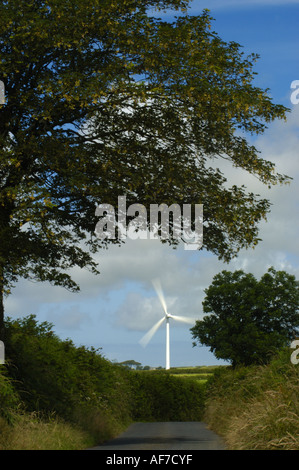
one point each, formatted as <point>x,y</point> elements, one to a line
<point>103,100</point>
<point>249,319</point>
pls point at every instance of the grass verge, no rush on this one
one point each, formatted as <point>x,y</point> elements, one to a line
<point>31,431</point>
<point>256,408</point>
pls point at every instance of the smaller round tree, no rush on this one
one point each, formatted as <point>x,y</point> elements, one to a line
<point>248,319</point>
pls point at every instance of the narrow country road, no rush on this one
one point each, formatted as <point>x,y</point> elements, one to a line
<point>166,436</point>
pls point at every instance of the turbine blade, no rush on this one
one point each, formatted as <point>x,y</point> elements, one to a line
<point>148,336</point>
<point>159,292</point>
<point>183,319</point>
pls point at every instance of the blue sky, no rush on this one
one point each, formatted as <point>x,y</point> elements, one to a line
<point>115,309</point>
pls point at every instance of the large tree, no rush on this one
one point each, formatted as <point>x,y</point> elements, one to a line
<point>104,100</point>
<point>249,319</point>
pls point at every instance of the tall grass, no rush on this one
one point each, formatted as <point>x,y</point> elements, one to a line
<point>32,431</point>
<point>256,408</point>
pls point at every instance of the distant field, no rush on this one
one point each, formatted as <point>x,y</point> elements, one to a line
<point>199,374</point>
<point>194,370</point>
<point>201,378</point>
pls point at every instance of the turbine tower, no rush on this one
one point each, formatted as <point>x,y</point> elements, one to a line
<point>148,336</point>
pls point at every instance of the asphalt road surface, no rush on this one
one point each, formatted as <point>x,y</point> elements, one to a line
<point>165,436</point>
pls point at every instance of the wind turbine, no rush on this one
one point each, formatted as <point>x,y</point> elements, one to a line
<point>148,336</point>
